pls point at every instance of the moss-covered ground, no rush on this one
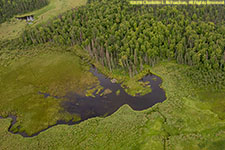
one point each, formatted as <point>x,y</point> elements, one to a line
<point>186,120</point>
<point>48,71</point>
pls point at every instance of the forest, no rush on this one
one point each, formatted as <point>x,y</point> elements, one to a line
<point>120,35</point>
<point>13,7</point>
<point>59,75</point>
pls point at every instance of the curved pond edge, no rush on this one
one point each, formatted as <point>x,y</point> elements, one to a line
<point>24,134</point>
<point>70,104</point>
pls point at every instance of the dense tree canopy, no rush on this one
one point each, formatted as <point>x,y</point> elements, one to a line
<point>12,7</point>
<point>122,35</point>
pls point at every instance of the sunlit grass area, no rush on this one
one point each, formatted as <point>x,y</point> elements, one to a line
<point>13,28</point>
<point>191,118</point>
<point>50,72</point>
<point>177,123</point>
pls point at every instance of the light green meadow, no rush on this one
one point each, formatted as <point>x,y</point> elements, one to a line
<point>51,72</point>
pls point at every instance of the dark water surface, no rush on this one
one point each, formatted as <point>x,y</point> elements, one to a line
<point>89,107</point>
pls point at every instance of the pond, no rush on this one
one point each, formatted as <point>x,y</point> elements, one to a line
<point>102,106</point>
<point>88,107</point>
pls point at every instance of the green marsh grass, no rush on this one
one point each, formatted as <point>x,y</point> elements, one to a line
<point>55,73</point>
<point>177,123</point>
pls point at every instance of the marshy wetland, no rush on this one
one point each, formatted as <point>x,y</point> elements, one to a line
<point>158,80</point>
<point>49,89</point>
<point>181,119</point>
<point>21,81</point>
<point>104,105</point>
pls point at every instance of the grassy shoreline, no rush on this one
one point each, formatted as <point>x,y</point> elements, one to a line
<point>132,85</point>
<point>47,71</point>
<point>188,119</point>
<point>177,123</point>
